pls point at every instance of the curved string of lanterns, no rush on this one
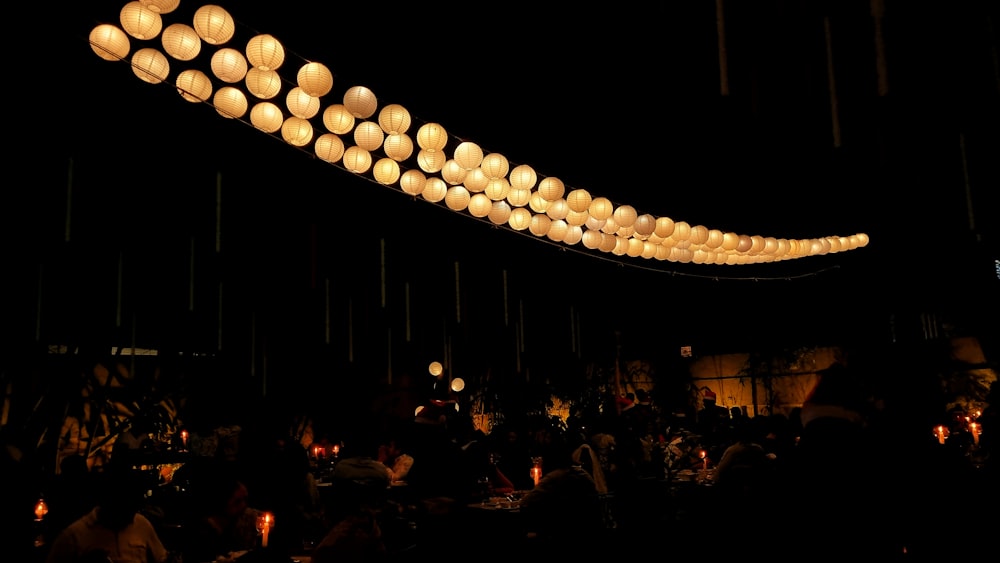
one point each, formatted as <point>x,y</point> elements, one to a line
<point>365,139</point>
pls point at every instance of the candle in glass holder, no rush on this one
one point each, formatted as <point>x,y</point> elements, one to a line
<point>974,429</point>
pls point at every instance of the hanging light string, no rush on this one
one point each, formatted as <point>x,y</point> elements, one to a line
<point>436,166</point>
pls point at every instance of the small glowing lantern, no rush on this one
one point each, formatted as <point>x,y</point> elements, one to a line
<point>181,41</point>
<point>499,213</point>
<point>431,161</point>
<point>329,147</point>
<point>398,146</point>
<point>150,65</point>
<point>41,509</point>
<point>601,208</point>
<point>360,101</point>
<point>301,104</point>
<point>432,136</point>
<point>394,119</point>
<point>139,21</point>
<point>434,189</point>
<point>386,171</point>
<point>520,219</point>
<point>264,84</point>
<point>468,155</point>
<point>457,384</point>
<point>297,131</point>
<point>337,119</point>
<point>412,182</point>
<point>357,160</point>
<point>497,189</point>
<point>265,52</point>
<point>315,79</point>
<point>625,215</point>
<point>229,65</point>
<point>267,117</point>
<point>495,166</point>
<point>435,368</point>
<point>194,85</point>
<point>457,198</point>
<point>480,205</point>
<point>109,42</point>
<point>230,102</point>
<point>453,173</point>
<point>523,177</point>
<point>540,225</point>
<point>368,135</point>
<point>476,180</point>
<point>214,24</point>
<point>551,188</point>
<point>578,200</point>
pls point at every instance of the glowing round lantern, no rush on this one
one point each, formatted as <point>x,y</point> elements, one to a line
<point>194,85</point>
<point>573,234</point>
<point>357,160</point>
<point>682,231</point>
<point>457,198</point>
<point>644,225</point>
<point>398,146</point>
<point>457,385</point>
<point>434,189</point>
<point>520,218</point>
<point>499,213</point>
<point>230,102</point>
<point>337,119</point>
<point>263,84</point>
<point>497,189</point>
<point>729,241</point>
<point>744,243</point>
<point>368,135</point>
<point>150,65</point>
<point>453,173</point>
<point>431,161</point>
<point>578,200</point>
<point>315,79</point>
<point>394,119</point>
<point>601,208</point>
<point>540,225</point>
<point>578,218</point>
<point>468,155</point>
<point>557,210</point>
<point>267,117</point>
<point>214,24</point>
<point>664,227</point>
<point>518,197</point>
<point>161,6</point>
<point>109,42</point>
<point>301,104</point>
<point>591,239</point>
<point>386,171</point>
<point>523,177</point>
<point>412,182</point>
<point>360,101</point>
<point>557,230</point>
<point>480,205</point>
<point>181,41</point>
<point>229,65</point>
<point>537,203</point>
<point>715,238</point>
<point>551,188</point>
<point>265,52</point>
<point>608,243</point>
<point>476,180</point>
<point>329,147</point>
<point>625,215</point>
<point>297,131</point>
<point>139,21</point>
<point>432,136</point>
<point>435,369</point>
<point>495,165</point>
<point>699,234</point>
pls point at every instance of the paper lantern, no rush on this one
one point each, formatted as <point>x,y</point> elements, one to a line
<point>161,6</point>
<point>578,218</point>
<point>139,21</point>
<point>194,85</point>
<point>480,205</point>
<point>264,84</point>
<point>386,171</point>
<point>431,161</point>
<point>523,177</point>
<point>557,230</point>
<point>315,79</point>
<point>368,135</point>
<point>434,189</point>
<point>578,200</point>
<point>435,368</point>
<point>357,160</point>
<point>265,52</point>
<point>432,136</point>
<point>520,218</point>
<point>625,215</point>
<point>551,188</point>
<point>360,101</point>
<point>499,213</point>
<point>497,189</point>
<point>664,227</point>
<point>230,102</point>
<point>540,225</point>
<point>608,243</point>
<point>682,231</point>
<point>229,65</point>
<point>457,198</point>
<point>475,180</point>
<point>468,155</point>
<point>601,208</point>
<point>150,65</point>
<point>329,147</point>
<point>495,165</point>
<point>398,146</point>
<point>297,131</point>
<point>301,104</point>
<point>267,117</point>
<point>412,182</point>
<point>518,197</point>
<point>715,239</point>
<point>574,233</point>
<point>109,42</point>
<point>537,203</point>
<point>181,41</point>
<point>644,224</point>
<point>457,385</point>
<point>452,172</point>
<point>337,119</point>
<point>557,210</point>
<point>591,239</point>
<point>394,119</point>
<point>610,227</point>
<point>214,24</point>
<point>633,247</point>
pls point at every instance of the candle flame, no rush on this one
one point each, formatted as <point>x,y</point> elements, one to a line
<point>41,509</point>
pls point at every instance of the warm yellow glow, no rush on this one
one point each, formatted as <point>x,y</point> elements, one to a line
<point>315,79</point>
<point>109,42</point>
<point>139,21</point>
<point>229,65</point>
<point>214,24</point>
<point>265,52</point>
<point>150,65</point>
<point>360,101</point>
<point>194,86</point>
<point>297,131</point>
<point>181,41</point>
<point>230,102</point>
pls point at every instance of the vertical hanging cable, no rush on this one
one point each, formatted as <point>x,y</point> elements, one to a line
<point>506,319</point>
<point>69,200</point>
<point>878,15</point>
<point>834,111</point>
<point>968,187</point>
<point>720,26</point>
<point>218,212</point>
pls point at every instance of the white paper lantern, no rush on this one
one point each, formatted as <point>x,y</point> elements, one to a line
<point>109,42</point>
<point>495,165</point>
<point>434,189</point>
<point>480,205</point>
<point>194,85</point>
<point>398,146</point>
<point>386,171</point>
<point>264,84</point>
<point>181,41</point>
<point>315,79</point>
<point>368,135</point>
<point>457,198</point>
<point>265,52</point>
<point>139,21</point>
<point>329,147</point>
<point>412,182</point>
<point>229,65</point>
<point>431,161</point>
<point>468,155</point>
<point>360,101</point>
<point>338,120</point>
<point>267,117</point>
<point>357,160</point>
<point>523,177</point>
<point>394,119</point>
<point>230,102</point>
<point>214,24</point>
<point>150,65</point>
<point>432,136</point>
<point>297,131</point>
<point>551,188</point>
<point>301,104</point>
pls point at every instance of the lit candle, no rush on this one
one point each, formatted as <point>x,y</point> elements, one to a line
<point>335,449</point>
<point>266,528</point>
<point>184,438</point>
<point>975,430</point>
<point>941,433</point>
<point>536,474</point>
<point>704,459</point>
<point>41,509</point>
